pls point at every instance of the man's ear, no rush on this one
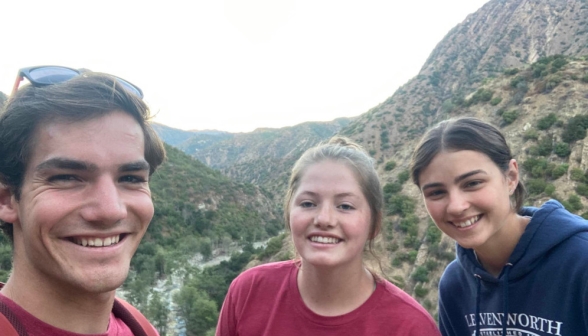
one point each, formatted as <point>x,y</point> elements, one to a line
<point>8,205</point>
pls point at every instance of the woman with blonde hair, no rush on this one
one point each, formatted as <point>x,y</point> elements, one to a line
<point>333,209</point>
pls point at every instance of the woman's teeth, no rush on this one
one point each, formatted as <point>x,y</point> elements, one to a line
<point>468,222</point>
<point>324,240</point>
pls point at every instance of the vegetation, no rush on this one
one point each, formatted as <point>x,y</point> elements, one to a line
<point>390,165</point>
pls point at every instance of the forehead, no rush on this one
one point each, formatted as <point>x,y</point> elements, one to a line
<point>454,163</point>
<point>106,138</point>
<point>330,174</point>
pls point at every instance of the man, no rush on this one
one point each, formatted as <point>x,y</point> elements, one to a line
<point>76,154</point>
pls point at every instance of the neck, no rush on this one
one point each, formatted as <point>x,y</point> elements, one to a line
<point>61,307</point>
<point>334,291</point>
<point>494,254</point>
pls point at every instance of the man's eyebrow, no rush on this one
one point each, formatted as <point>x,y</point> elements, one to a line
<point>456,180</point>
<point>140,165</point>
<point>63,163</point>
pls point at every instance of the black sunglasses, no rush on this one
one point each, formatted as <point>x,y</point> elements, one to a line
<point>50,74</point>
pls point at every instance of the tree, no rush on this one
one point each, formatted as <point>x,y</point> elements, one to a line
<point>198,311</point>
<point>157,312</point>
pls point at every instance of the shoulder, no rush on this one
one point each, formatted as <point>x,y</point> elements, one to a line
<point>398,300</point>
<point>264,274</point>
<point>453,273</point>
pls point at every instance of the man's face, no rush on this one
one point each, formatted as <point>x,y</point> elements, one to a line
<point>85,204</point>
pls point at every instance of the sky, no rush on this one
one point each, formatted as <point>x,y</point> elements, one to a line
<point>235,65</point>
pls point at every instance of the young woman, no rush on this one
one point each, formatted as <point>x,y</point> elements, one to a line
<point>519,270</point>
<point>333,209</point>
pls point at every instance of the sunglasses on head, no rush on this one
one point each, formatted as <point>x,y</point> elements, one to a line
<point>50,74</point>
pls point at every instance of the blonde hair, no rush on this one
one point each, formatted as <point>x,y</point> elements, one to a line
<point>349,153</point>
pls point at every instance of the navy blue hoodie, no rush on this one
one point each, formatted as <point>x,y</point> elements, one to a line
<point>543,289</point>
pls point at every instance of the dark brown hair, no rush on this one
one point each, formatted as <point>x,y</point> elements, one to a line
<point>465,134</point>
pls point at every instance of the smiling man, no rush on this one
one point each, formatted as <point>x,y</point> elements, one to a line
<point>76,154</point>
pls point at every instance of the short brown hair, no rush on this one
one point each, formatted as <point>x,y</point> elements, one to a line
<point>84,97</point>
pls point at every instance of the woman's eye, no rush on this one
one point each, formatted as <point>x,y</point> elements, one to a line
<point>435,193</point>
<point>471,184</point>
<point>346,207</point>
<point>306,204</point>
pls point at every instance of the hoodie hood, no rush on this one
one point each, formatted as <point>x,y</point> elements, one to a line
<point>543,233</point>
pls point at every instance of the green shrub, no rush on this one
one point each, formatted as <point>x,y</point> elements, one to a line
<point>559,171</point>
<point>511,72</point>
<point>558,63</point>
<point>585,78</point>
<point>536,167</point>
<point>495,101</point>
<point>390,165</point>
<point>547,121</point>
<point>392,188</point>
<point>562,149</point>
<point>544,147</point>
<point>574,203</point>
<point>401,205</point>
<point>577,174</point>
<point>582,189</point>
<point>433,235</point>
<point>421,274</point>
<point>531,134</point>
<point>403,176</point>
<point>536,186</point>
<point>510,116</point>
<point>409,225</point>
<point>575,129</point>
<point>420,291</point>
<point>549,190</point>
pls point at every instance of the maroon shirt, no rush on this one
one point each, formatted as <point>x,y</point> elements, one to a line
<point>265,300</point>
<point>36,327</point>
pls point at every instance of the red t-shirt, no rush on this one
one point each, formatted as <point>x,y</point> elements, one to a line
<point>36,327</point>
<point>265,300</point>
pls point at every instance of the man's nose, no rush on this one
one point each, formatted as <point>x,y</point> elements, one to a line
<point>105,204</point>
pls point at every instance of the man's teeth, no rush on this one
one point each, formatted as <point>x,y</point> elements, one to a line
<point>468,222</point>
<point>99,242</point>
<point>324,240</point>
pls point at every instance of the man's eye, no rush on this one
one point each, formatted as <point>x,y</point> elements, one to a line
<point>63,178</point>
<point>132,179</point>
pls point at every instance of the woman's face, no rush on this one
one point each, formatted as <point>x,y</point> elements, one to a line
<point>330,217</point>
<point>468,196</point>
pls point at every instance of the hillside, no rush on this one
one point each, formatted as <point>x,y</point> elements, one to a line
<point>190,141</point>
<point>494,66</point>
<point>237,155</point>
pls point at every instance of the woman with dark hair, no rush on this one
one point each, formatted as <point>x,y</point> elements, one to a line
<point>510,258</point>
<point>333,209</point>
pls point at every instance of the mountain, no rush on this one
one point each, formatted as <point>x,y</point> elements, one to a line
<point>503,64</point>
<point>190,141</point>
<point>517,63</point>
<point>237,155</point>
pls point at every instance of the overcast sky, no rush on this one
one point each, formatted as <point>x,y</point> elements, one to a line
<point>236,65</point>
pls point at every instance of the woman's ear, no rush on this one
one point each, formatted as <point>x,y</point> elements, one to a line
<point>8,205</point>
<point>512,175</point>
